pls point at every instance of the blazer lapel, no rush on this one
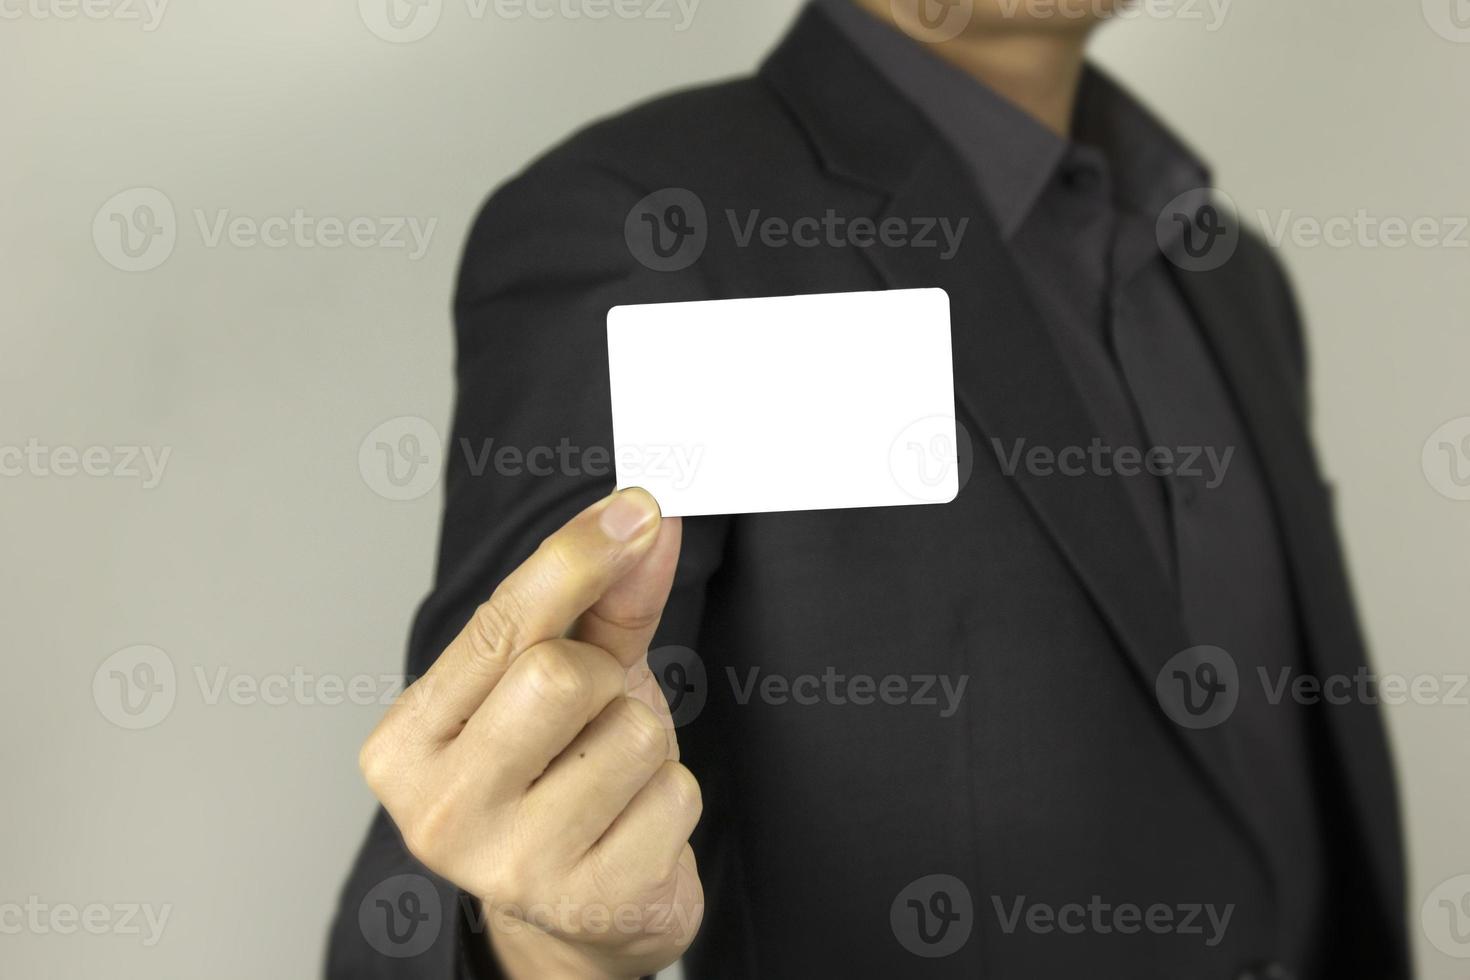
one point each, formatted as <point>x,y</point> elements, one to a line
<point>1011,383</point>
<point>1279,431</point>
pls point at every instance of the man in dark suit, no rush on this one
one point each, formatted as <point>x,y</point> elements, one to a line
<point>1052,729</point>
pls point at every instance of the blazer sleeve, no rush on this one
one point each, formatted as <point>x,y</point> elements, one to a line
<point>530,447</point>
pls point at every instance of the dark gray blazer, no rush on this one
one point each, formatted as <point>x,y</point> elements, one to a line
<point>1059,777</point>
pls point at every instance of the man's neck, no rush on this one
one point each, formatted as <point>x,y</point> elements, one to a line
<point>1038,71</point>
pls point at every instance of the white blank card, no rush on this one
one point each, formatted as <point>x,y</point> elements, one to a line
<point>785,403</point>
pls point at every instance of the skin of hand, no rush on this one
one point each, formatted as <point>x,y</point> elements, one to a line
<point>535,764</point>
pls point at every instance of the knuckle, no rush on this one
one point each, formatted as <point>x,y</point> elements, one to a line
<point>612,882</point>
<point>640,732</point>
<point>428,832</point>
<point>416,702</point>
<point>492,633</point>
<point>657,884</point>
<point>568,563</point>
<point>510,879</point>
<point>622,884</point>
<point>632,620</point>
<point>560,556</point>
<point>374,761</point>
<point>557,676</point>
<point>683,788</point>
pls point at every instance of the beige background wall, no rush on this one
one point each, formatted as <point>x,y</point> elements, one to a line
<point>263,551</point>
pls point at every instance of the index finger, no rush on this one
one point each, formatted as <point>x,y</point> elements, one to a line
<point>538,601</point>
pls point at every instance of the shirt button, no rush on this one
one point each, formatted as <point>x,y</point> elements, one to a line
<point>1079,177</point>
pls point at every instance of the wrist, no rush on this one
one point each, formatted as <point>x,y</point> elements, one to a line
<point>524,952</point>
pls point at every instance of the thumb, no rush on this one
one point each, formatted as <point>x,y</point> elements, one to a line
<point>623,621</point>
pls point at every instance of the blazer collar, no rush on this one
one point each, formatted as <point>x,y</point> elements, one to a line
<point>860,125</point>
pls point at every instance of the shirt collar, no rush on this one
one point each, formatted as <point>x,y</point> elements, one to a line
<point>1149,165</point>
